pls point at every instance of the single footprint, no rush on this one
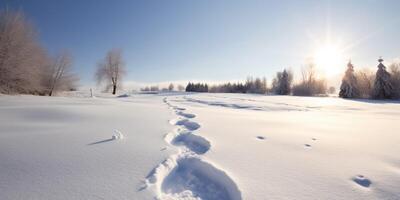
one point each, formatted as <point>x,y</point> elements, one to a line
<point>178,108</point>
<point>260,137</point>
<point>187,115</point>
<point>192,178</point>
<point>362,181</point>
<point>188,124</point>
<point>164,148</point>
<point>193,142</point>
<point>307,146</point>
<point>314,139</point>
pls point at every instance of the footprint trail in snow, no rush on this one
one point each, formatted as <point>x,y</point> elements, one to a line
<point>187,175</point>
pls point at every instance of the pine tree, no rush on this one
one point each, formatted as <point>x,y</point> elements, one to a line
<point>349,87</point>
<point>188,87</point>
<point>284,84</point>
<point>281,84</point>
<point>383,88</point>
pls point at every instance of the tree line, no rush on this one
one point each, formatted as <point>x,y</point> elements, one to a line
<point>27,68</point>
<point>156,88</point>
<point>257,85</point>
<point>355,84</point>
<point>365,84</point>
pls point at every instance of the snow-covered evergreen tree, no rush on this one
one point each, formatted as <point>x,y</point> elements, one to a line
<point>349,87</point>
<point>383,88</point>
<point>281,84</point>
<point>284,83</point>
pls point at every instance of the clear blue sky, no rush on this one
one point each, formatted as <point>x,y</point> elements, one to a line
<point>212,40</point>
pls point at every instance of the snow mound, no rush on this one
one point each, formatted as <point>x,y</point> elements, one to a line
<point>117,135</point>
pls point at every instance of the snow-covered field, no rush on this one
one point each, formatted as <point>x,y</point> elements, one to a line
<point>198,146</point>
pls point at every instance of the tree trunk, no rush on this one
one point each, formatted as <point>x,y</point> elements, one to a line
<point>114,89</point>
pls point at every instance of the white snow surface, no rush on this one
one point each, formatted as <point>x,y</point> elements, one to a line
<point>198,146</point>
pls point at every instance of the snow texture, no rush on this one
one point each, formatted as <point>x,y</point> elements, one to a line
<point>216,146</point>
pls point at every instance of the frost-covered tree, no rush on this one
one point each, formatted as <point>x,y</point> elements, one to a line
<point>257,85</point>
<point>349,86</point>
<point>264,86</point>
<point>59,74</point>
<point>281,84</point>
<point>154,88</point>
<point>365,82</point>
<point>171,87</point>
<point>22,58</point>
<point>310,84</point>
<point>111,70</point>
<point>181,88</point>
<point>285,83</point>
<point>383,88</point>
<point>395,78</point>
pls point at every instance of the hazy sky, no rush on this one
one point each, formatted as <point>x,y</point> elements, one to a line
<point>212,40</point>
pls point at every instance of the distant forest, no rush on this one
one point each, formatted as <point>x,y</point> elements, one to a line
<point>383,84</point>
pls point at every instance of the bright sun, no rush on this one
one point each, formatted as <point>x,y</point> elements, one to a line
<point>329,59</point>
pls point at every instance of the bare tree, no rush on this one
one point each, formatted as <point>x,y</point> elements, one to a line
<point>365,82</point>
<point>145,89</point>
<point>310,84</point>
<point>154,88</point>
<point>181,88</point>
<point>59,74</point>
<point>395,78</point>
<point>171,87</point>
<point>21,57</point>
<point>308,73</point>
<point>111,70</point>
<point>331,90</point>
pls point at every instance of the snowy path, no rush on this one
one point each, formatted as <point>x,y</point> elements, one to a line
<point>186,175</point>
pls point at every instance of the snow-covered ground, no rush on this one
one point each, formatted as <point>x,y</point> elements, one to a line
<point>198,146</point>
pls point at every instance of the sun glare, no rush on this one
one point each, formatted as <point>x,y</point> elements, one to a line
<point>329,60</point>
